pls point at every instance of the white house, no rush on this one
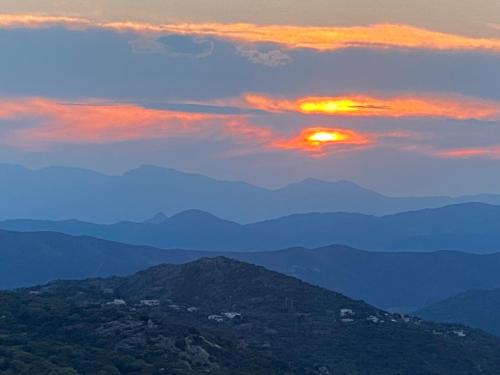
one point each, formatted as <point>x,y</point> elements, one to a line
<point>117,302</point>
<point>216,318</point>
<point>232,315</point>
<point>346,312</point>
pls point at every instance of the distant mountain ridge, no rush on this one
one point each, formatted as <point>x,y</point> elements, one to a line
<point>60,193</point>
<point>395,281</point>
<point>222,316</point>
<point>471,227</point>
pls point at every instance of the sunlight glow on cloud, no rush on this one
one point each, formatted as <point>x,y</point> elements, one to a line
<point>458,108</point>
<point>487,152</point>
<point>36,123</point>
<point>33,21</point>
<point>43,121</point>
<point>95,122</point>
<point>380,36</point>
<point>318,141</point>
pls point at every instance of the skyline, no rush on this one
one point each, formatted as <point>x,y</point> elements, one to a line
<point>398,105</point>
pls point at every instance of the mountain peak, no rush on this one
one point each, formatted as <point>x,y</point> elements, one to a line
<point>159,218</point>
<point>211,281</point>
<point>204,268</point>
<point>194,214</point>
<point>200,219</point>
<point>148,169</point>
<point>340,187</point>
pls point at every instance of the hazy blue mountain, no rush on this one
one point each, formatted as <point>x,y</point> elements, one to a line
<point>70,193</point>
<point>395,281</point>
<point>34,258</point>
<point>471,227</point>
<point>475,308</point>
<point>159,218</point>
<point>224,317</point>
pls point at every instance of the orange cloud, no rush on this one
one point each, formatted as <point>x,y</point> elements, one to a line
<point>328,38</point>
<point>33,21</point>
<point>97,121</point>
<point>316,38</point>
<point>489,152</point>
<point>319,140</point>
<point>458,108</point>
<point>43,121</point>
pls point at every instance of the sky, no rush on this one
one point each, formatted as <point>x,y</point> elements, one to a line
<point>401,97</point>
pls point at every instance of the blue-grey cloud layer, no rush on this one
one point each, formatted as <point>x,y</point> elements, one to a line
<point>62,63</point>
<point>71,65</point>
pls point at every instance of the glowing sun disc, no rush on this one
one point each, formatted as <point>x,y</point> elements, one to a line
<point>325,136</point>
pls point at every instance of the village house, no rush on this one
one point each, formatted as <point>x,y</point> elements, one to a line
<point>117,302</point>
<point>216,318</point>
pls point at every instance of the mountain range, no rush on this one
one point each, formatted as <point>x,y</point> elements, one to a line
<point>470,227</point>
<point>222,316</point>
<point>60,193</point>
<point>475,308</point>
<point>392,280</point>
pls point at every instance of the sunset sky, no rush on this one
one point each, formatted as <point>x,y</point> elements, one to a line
<point>399,96</point>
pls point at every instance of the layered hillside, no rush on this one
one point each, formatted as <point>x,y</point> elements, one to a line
<point>223,316</point>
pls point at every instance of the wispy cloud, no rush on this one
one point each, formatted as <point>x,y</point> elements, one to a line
<point>173,46</point>
<point>33,21</point>
<point>97,121</point>
<point>45,121</point>
<point>381,36</point>
<point>271,58</point>
<point>453,107</point>
<point>38,123</point>
<point>486,152</point>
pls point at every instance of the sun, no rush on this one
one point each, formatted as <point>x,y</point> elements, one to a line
<point>324,136</point>
<point>328,106</point>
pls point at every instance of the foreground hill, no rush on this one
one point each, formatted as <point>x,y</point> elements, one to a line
<point>141,192</point>
<point>471,227</point>
<point>395,281</point>
<point>475,308</point>
<point>221,316</point>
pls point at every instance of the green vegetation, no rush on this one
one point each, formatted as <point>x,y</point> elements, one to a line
<point>177,320</point>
